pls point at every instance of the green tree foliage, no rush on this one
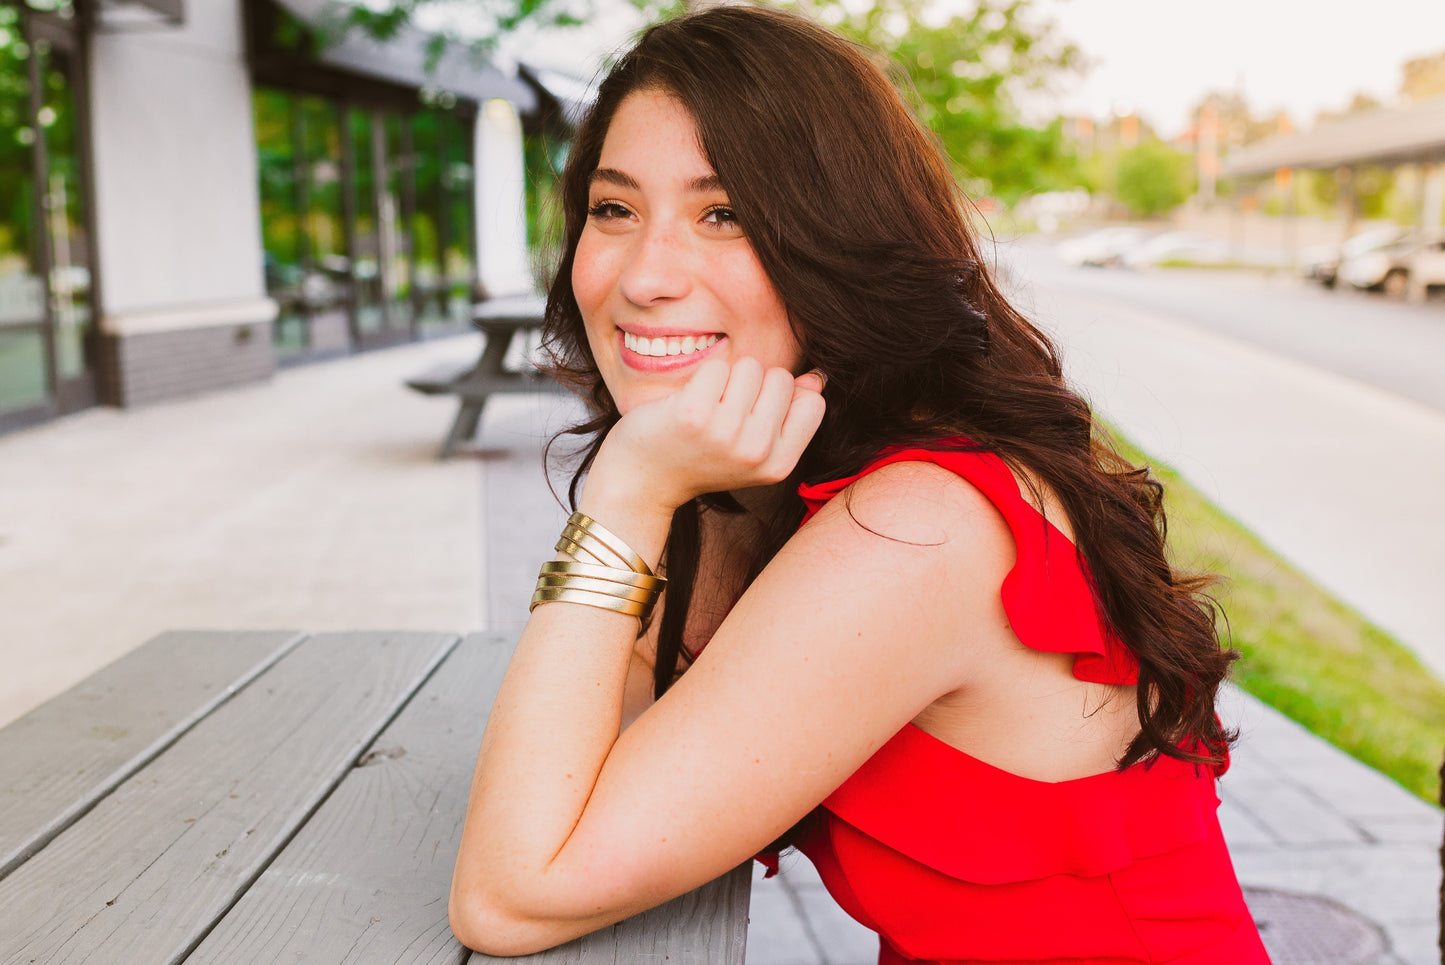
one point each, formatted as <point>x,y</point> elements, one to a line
<point>1152,178</point>
<point>965,76</point>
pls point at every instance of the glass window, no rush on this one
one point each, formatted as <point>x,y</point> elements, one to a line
<point>23,375</point>
<point>427,225</point>
<point>281,234</point>
<point>65,212</point>
<point>458,191</point>
<point>396,203</point>
<point>327,270</point>
<point>366,240</point>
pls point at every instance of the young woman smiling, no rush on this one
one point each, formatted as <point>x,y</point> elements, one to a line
<point>971,689</point>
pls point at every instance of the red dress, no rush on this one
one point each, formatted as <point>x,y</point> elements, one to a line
<point>954,861</point>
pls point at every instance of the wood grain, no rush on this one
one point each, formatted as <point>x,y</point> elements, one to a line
<point>708,926</point>
<point>149,871</point>
<point>58,760</point>
<point>366,880</point>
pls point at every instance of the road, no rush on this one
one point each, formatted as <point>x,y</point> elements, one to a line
<point>1392,345</point>
<point>1317,421</point>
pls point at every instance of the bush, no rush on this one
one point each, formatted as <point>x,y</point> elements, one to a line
<point>1153,178</point>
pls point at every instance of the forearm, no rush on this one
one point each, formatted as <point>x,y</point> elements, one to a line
<point>555,719</point>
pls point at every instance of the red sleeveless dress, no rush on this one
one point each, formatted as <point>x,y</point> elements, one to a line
<point>955,861</point>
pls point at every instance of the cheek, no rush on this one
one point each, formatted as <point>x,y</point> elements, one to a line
<point>589,287</point>
<point>758,301</point>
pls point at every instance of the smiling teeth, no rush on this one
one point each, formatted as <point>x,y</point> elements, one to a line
<point>657,347</point>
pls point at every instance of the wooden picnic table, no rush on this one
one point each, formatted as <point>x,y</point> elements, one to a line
<point>274,797</point>
<point>500,319</point>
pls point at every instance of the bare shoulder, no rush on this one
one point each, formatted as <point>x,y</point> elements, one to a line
<point>925,505</point>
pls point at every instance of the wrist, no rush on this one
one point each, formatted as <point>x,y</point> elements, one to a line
<point>642,523</point>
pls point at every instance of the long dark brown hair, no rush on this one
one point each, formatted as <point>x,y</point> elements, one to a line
<point>852,212</point>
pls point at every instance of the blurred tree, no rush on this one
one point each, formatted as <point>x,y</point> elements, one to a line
<point>965,75</point>
<point>487,20</point>
<point>1152,178</point>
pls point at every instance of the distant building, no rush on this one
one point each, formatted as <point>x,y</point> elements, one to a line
<point>193,192</point>
<point>1423,78</point>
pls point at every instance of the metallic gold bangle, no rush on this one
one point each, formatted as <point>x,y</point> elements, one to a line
<point>574,542</point>
<point>620,590</point>
<point>562,594</point>
<point>612,573</point>
<point>611,540</point>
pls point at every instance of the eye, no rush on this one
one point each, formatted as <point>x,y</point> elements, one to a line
<point>608,211</point>
<point>722,218</point>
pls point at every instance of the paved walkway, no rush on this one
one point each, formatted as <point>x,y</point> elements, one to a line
<point>312,501</point>
<point>315,501</point>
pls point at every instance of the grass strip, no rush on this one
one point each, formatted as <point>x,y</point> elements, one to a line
<point>1304,652</point>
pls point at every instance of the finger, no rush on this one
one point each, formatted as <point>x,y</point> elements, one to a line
<point>805,414</point>
<point>744,383</point>
<point>760,430</point>
<point>812,380</point>
<point>698,399</point>
<point>709,381</point>
<point>774,397</point>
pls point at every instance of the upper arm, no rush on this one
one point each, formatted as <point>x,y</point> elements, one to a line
<point>863,619</point>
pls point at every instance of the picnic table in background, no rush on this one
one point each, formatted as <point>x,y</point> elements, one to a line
<point>500,319</point>
<point>272,796</point>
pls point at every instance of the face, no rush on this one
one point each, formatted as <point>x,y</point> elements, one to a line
<point>664,274</point>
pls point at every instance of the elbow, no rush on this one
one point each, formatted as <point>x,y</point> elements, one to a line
<point>484,925</point>
<point>485,920</point>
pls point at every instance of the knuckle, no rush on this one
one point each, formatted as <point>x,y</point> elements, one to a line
<point>754,455</point>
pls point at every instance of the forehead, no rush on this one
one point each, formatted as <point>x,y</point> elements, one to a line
<point>653,132</point>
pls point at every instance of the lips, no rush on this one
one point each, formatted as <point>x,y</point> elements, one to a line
<point>662,352</point>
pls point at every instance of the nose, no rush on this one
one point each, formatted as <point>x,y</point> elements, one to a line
<point>656,268</point>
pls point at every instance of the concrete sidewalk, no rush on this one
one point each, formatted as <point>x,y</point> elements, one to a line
<point>315,501</point>
<point>312,501</point>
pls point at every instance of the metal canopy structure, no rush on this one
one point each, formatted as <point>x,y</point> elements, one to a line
<point>402,60</point>
<point>570,95</point>
<point>122,14</point>
<point>1402,136</point>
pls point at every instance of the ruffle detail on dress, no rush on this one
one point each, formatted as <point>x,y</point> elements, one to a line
<point>1047,594</point>
<point>972,821</point>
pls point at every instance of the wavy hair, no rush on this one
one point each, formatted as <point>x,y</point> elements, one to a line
<point>854,216</point>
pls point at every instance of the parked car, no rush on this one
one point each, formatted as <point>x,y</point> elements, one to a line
<point>1177,247</point>
<point>1103,247</point>
<point>1321,263</point>
<point>1388,268</point>
<point>1426,269</point>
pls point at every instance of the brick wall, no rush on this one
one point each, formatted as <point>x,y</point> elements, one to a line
<point>154,366</point>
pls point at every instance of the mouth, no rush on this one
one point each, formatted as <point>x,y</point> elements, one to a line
<point>665,352</point>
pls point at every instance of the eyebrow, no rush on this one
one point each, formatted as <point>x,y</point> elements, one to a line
<point>698,185</point>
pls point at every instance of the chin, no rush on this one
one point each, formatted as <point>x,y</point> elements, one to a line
<point>635,396</point>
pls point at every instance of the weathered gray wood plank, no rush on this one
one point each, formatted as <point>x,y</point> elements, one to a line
<point>146,874</point>
<point>708,926</point>
<point>366,880</point>
<point>58,760</point>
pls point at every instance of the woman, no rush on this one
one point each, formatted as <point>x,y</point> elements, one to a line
<point>994,746</point>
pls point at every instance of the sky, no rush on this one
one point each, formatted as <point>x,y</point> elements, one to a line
<point>1160,56</point>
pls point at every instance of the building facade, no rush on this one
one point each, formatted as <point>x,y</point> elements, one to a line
<point>193,192</point>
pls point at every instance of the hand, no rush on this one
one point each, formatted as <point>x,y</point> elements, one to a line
<point>729,427</point>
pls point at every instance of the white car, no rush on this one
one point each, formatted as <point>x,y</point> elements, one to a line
<point>1178,247</point>
<point>1425,268</point>
<point>1388,269</point>
<point>1103,247</point>
<point>1321,263</point>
